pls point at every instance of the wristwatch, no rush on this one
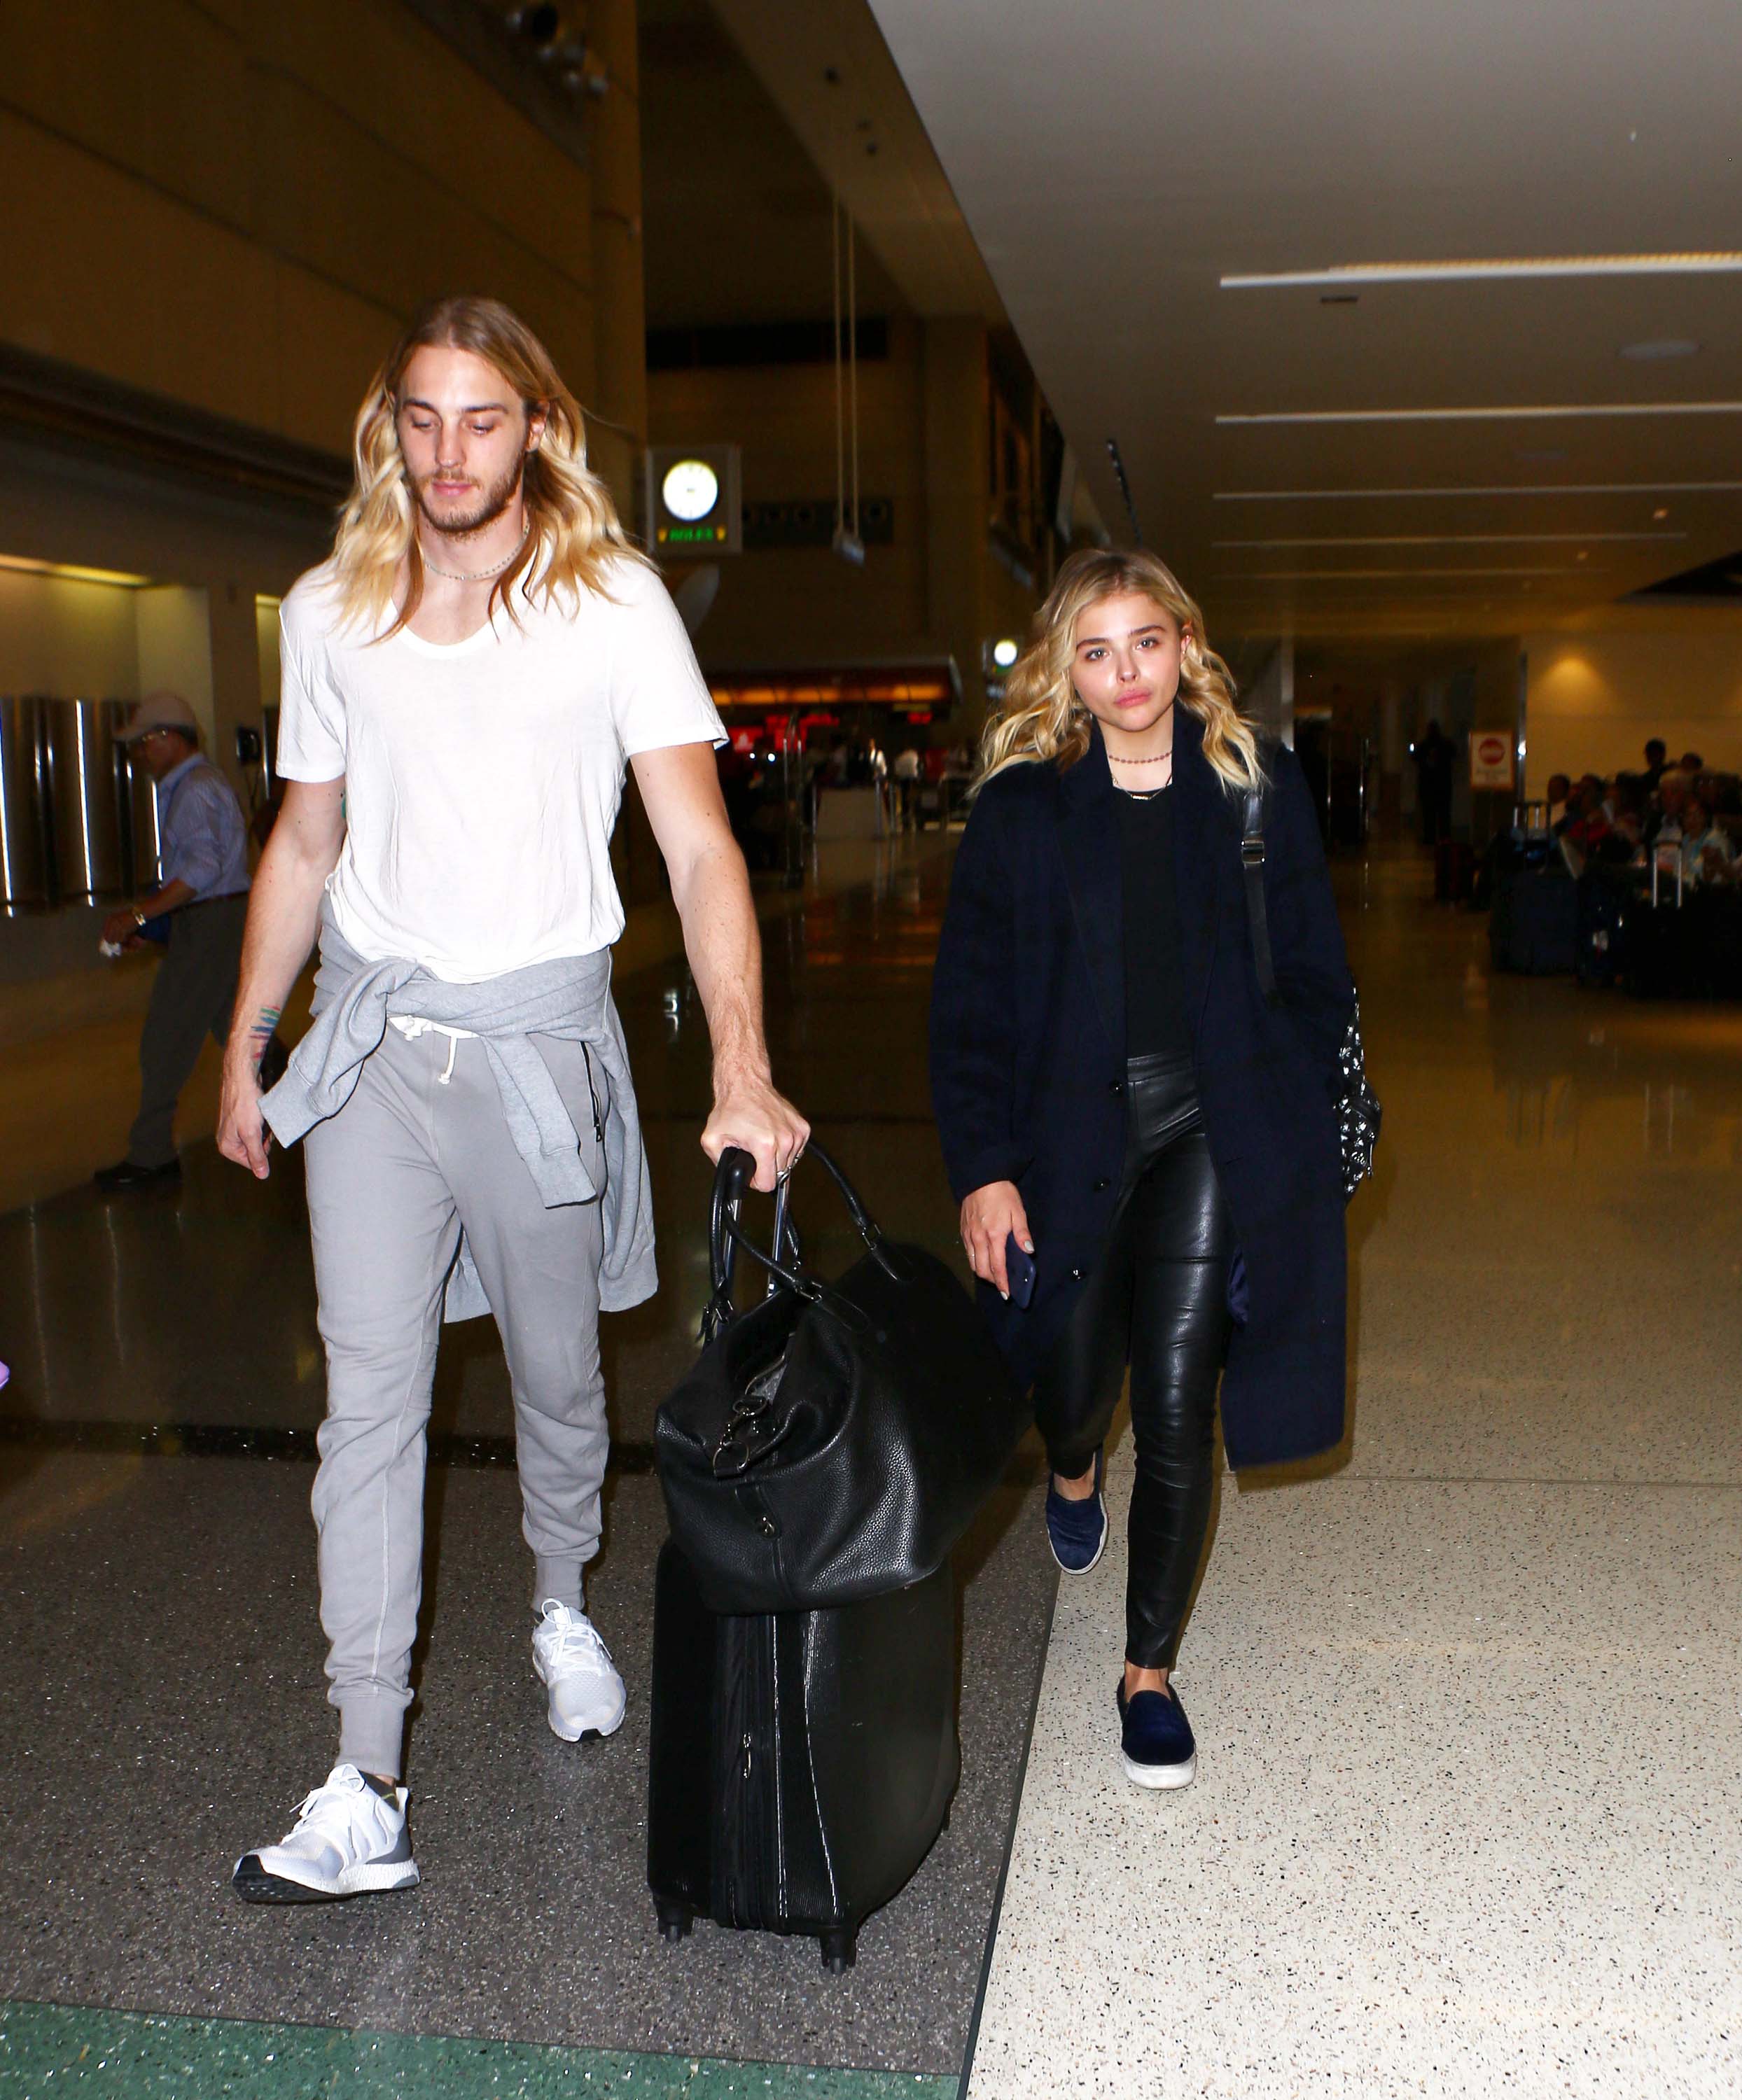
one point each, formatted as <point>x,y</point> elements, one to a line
<point>139,916</point>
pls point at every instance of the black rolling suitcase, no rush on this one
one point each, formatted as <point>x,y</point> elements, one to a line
<point>1534,926</point>
<point>802,1762</point>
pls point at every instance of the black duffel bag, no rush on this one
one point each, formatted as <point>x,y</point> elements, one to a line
<point>834,1442</point>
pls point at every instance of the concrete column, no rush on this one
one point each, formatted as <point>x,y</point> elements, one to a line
<point>619,430</point>
<point>953,355</point>
<point>235,674</point>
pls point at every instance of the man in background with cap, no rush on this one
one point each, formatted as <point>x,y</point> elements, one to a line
<point>203,900</point>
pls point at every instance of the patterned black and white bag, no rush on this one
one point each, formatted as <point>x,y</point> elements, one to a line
<point>1358,1110</point>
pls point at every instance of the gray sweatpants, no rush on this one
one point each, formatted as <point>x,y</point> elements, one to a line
<point>191,997</point>
<point>408,1160</point>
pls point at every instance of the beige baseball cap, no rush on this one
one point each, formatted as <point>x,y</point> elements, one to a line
<point>161,711</point>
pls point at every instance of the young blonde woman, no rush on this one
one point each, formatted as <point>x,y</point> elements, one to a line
<point>1145,1148</point>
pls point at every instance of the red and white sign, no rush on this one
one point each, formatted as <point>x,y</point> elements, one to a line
<point>1491,759</point>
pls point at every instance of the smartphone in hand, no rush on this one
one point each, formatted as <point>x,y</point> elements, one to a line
<point>1019,1267</point>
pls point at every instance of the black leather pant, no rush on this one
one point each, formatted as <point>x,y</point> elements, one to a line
<point>1158,1301</point>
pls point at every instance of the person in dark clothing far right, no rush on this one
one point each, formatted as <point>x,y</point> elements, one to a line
<point>1434,755</point>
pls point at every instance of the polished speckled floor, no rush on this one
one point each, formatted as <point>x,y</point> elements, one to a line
<point>160,1675</point>
<point>1469,1819</point>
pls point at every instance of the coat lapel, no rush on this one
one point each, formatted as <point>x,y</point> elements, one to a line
<point>1089,839</point>
<point>1200,849</point>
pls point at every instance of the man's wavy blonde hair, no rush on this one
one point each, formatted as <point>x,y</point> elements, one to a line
<point>574,533</point>
<point>1042,720</point>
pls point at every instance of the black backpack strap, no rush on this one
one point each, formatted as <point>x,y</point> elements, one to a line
<point>1252,864</point>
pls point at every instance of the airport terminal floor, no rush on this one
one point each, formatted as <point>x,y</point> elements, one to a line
<point>1468,1810</point>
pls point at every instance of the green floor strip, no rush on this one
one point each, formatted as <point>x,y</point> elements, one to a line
<point>47,2050</point>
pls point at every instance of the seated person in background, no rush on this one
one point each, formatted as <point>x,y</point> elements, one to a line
<point>1624,806</point>
<point>1626,838</point>
<point>1707,855</point>
<point>1590,821</point>
<point>1665,818</point>
<point>1656,762</point>
<point>1559,794</point>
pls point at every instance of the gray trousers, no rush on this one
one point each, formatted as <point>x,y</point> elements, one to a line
<point>393,1178</point>
<point>191,999</point>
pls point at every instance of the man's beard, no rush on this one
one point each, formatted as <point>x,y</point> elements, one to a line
<point>492,502</point>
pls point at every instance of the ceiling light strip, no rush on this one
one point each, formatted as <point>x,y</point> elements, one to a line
<point>1386,575</point>
<point>1523,488</point>
<point>1455,540</point>
<point>1714,263</point>
<point>1550,412</point>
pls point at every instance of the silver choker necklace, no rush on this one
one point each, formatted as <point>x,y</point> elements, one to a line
<point>476,576</point>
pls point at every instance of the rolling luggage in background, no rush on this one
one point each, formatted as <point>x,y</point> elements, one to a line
<point>1602,925</point>
<point>1534,926</point>
<point>1454,871</point>
<point>802,1762</point>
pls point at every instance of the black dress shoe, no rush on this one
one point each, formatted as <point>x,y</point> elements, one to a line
<point>129,1174</point>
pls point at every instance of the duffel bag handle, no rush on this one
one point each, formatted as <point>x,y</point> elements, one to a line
<point>731,1180</point>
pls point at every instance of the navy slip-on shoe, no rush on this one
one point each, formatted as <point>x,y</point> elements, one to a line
<point>1156,1745</point>
<point>1076,1530</point>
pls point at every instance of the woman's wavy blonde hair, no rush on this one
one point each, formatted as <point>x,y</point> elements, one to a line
<point>1043,721</point>
<point>574,533</point>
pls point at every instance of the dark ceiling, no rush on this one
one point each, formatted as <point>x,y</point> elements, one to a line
<point>735,216</point>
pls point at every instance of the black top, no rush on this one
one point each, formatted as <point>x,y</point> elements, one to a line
<point>1155,991</point>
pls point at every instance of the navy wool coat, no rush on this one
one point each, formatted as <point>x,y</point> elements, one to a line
<point>1028,1046</point>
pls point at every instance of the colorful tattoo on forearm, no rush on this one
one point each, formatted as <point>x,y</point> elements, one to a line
<point>261,1033</point>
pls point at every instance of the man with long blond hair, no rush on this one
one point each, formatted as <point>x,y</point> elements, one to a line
<point>465,681</point>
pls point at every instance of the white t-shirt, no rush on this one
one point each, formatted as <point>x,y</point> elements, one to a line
<point>482,777</point>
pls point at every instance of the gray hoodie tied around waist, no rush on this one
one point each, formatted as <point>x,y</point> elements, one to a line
<point>570,998</point>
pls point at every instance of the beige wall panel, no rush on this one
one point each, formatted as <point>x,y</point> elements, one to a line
<point>159,88</point>
<point>174,625</point>
<point>76,640</point>
<point>347,204</point>
<point>109,274</point>
<point>330,343</point>
<point>1594,699</point>
<point>393,78</point>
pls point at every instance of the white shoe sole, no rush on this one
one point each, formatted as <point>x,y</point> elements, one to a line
<point>1088,1567</point>
<point>1160,1777</point>
<point>589,1732</point>
<point>275,1885</point>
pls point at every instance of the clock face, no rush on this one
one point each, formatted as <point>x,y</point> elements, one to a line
<point>690,490</point>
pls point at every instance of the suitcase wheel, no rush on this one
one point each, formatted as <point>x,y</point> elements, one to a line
<point>840,1950</point>
<point>676,1923</point>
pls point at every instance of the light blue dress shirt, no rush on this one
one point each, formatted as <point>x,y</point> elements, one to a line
<point>204,841</point>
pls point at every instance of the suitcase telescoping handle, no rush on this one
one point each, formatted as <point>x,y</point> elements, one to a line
<point>785,1262</point>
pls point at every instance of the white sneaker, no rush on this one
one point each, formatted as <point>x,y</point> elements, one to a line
<point>586,1694</point>
<point>348,1841</point>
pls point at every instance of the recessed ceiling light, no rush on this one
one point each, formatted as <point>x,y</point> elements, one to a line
<point>1658,351</point>
<point>1541,412</point>
<point>1458,539</point>
<point>71,572</point>
<point>1660,512</point>
<point>1372,575</point>
<point>1715,262</point>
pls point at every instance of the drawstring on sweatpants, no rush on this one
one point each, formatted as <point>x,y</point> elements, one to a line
<point>412,1026</point>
